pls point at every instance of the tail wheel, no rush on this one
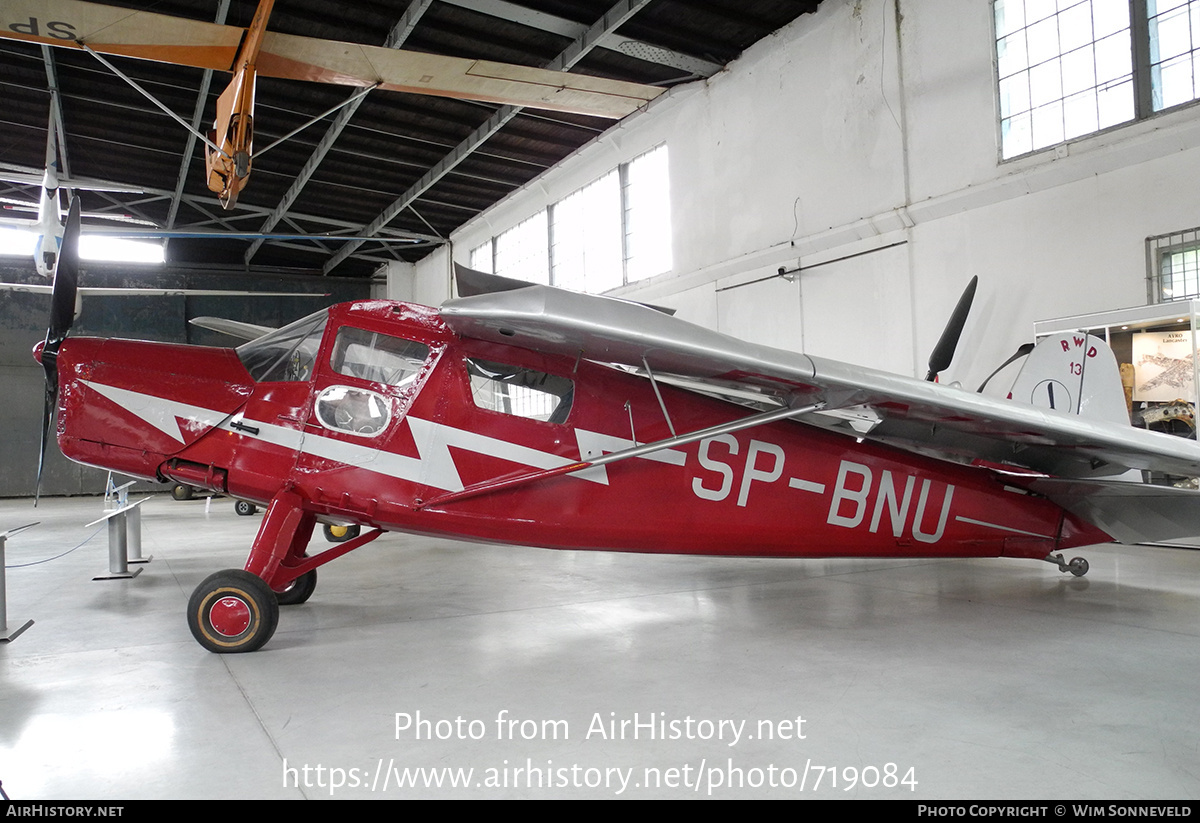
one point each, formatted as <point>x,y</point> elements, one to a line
<point>233,611</point>
<point>299,590</point>
<point>340,534</point>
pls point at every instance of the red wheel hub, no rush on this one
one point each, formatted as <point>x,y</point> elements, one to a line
<point>229,616</point>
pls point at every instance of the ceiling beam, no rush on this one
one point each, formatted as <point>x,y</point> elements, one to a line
<point>395,39</point>
<point>185,162</point>
<point>543,21</point>
<point>616,16</point>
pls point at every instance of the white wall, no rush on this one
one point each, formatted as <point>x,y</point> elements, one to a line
<point>871,160</point>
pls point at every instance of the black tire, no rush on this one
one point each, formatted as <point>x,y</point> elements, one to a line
<point>299,590</point>
<point>340,534</point>
<point>244,508</point>
<point>182,491</point>
<point>233,611</point>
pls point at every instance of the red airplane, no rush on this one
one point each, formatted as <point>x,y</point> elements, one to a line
<point>529,415</point>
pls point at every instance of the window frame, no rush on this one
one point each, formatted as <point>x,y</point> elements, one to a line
<point>1142,78</point>
<point>488,251</point>
<point>1159,248</point>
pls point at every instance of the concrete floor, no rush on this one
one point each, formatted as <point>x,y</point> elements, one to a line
<point>946,679</point>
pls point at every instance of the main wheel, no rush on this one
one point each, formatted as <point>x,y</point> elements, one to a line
<point>182,491</point>
<point>244,507</point>
<point>233,611</point>
<point>299,590</point>
<point>340,534</point>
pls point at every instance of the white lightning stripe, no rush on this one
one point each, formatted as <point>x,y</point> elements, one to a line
<point>434,466</point>
<point>158,411</point>
<point>806,485</point>
<point>1001,528</point>
<point>593,445</point>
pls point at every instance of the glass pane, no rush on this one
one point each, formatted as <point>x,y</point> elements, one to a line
<point>1080,114</point>
<point>1010,16</point>
<point>648,216</point>
<point>377,357</point>
<point>352,410</point>
<point>1115,104</point>
<point>523,251</point>
<point>1047,125</point>
<point>586,246</point>
<point>1173,83</point>
<point>1079,70</point>
<point>288,353</point>
<point>1014,95</point>
<point>519,391</point>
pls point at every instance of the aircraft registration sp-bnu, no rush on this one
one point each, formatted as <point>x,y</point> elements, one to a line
<point>514,415</point>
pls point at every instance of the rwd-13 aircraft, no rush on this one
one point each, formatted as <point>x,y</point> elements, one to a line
<point>530,415</point>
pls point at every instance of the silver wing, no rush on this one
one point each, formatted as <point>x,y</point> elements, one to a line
<point>912,414</point>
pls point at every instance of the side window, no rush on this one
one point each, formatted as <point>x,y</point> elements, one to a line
<point>377,357</point>
<point>519,391</point>
<point>288,353</point>
<point>356,411</point>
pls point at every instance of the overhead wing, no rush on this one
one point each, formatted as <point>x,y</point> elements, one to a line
<point>166,39</point>
<point>913,414</point>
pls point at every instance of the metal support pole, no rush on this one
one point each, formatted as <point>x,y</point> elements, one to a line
<point>7,634</point>
<point>133,537</point>
<point>118,544</point>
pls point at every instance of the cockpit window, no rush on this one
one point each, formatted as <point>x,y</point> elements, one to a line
<point>377,357</point>
<point>519,391</point>
<point>289,353</point>
<point>357,411</point>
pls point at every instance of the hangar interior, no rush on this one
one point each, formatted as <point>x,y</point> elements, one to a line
<point>837,172</point>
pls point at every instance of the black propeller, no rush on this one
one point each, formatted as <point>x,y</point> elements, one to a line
<point>62,315</point>
<point>943,352</point>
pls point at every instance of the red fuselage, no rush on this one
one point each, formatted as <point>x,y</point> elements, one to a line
<point>379,410</point>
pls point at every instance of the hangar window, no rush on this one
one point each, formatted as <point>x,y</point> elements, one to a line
<point>377,357</point>
<point>647,200</point>
<point>523,251</point>
<point>585,237</point>
<point>1173,262</point>
<point>1076,67</point>
<point>613,231</point>
<point>519,391</point>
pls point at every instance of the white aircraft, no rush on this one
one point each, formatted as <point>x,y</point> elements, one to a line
<point>49,222</point>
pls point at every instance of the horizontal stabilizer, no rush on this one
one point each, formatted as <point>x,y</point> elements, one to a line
<point>1129,512</point>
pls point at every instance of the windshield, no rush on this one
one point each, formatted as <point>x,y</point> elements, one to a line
<point>289,353</point>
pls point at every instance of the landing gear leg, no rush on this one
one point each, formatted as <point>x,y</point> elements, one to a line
<point>237,610</point>
<point>1078,565</point>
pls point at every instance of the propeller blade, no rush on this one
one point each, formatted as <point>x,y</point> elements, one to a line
<point>47,417</point>
<point>943,352</point>
<point>66,283</point>
<point>62,315</point>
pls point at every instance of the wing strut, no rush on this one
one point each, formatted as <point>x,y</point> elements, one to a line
<point>490,486</point>
<point>163,107</point>
<point>658,394</point>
